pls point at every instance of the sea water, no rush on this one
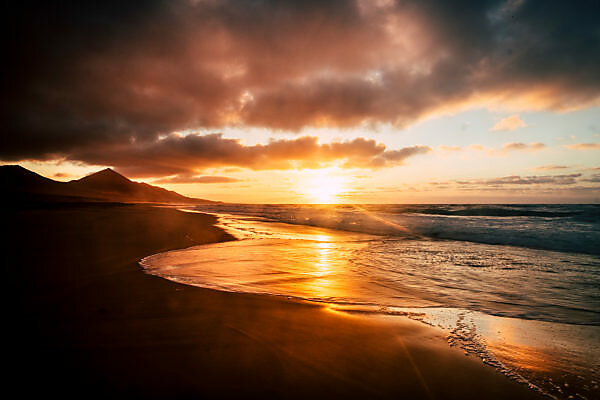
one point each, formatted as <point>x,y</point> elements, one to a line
<point>515,285</point>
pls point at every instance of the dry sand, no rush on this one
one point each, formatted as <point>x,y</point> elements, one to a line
<point>86,321</point>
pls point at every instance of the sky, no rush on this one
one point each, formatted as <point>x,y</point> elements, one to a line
<point>354,101</point>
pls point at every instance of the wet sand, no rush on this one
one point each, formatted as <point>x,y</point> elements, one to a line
<point>86,321</point>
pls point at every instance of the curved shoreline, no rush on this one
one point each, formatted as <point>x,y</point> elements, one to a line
<point>287,261</point>
<point>90,321</point>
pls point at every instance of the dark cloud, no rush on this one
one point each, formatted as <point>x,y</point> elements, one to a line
<point>595,178</point>
<point>177,154</point>
<point>78,74</point>
<point>535,180</point>
<point>196,179</point>
<point>569,179</point>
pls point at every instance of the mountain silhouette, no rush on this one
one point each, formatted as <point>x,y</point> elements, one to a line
<point>21,184</point>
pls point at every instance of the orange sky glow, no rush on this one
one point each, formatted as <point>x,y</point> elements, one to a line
<point>351,101</point>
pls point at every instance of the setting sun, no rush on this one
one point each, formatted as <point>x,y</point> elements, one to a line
<point>323,187</point>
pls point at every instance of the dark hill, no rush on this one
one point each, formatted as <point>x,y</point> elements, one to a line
<point>15,178</point>
<point>20,184</point>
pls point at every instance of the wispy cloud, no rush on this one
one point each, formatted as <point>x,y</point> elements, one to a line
<point>550,167</point>
<point>197,179</point>
<point>476,147</point>
<point>517,146</point>
<point>584,146</point>
<point>509,124</point>
<point>508,147</point>
<point>450,148</point>
<point>518,180</point>
<point>533,180</point>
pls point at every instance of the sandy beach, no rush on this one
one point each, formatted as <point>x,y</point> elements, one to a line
<point>86,320</point>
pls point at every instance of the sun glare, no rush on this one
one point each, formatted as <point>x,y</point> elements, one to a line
<point>324,188</point>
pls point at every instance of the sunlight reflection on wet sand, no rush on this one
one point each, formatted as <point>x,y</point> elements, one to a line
<point>326,266</point>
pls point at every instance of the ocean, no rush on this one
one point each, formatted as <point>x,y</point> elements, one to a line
<point>515,285</point>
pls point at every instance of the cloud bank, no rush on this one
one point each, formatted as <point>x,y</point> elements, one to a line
<point>184,155</point>
<point>81,78</point>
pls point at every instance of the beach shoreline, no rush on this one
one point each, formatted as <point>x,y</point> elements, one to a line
<point>89,321</point>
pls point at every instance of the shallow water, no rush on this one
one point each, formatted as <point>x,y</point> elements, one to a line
<point>533,314</point>
<point>558,227</point>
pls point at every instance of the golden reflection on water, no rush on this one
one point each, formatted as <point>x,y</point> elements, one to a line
<point>324,264</point>
<point>289,260</point>
<point>315,263</point>
<point>323,267</point>
<point>523,357</point>
<point>510,345</point>
<point>561,359</point>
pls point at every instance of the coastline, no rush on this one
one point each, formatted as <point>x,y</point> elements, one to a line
<point>89,319</point>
